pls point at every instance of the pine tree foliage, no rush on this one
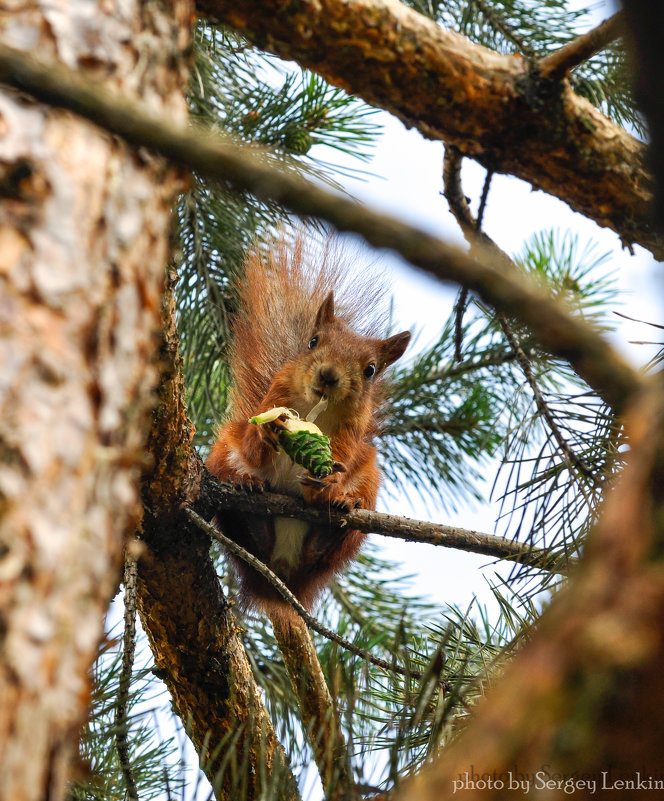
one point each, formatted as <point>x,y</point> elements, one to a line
<point>535,28</point>
<point>153,759</point>
<point>444,417</point>
<point>553,483</point>
<point>292,114</point>
<point>447,418</point>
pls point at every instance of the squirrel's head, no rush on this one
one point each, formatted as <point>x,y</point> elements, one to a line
<point>344,366</point>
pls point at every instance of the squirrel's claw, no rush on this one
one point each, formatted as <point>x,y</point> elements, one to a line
<point>346,503</point>
<point>328,491</point>
<point>269,433</point>
<point>248,483</point>
<point>309,480</point>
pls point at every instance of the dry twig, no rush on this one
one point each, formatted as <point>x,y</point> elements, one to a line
<point>561,61</point>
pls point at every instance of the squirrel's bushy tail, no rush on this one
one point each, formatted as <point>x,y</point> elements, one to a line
<point>278,300</point>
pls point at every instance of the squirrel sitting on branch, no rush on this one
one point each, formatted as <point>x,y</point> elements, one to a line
<point>305,337</point>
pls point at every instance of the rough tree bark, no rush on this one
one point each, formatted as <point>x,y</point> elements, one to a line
<point>493,107</point>
<point>84,224</point>
<point>318,712</point>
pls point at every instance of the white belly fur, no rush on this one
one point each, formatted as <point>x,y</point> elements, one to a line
<point>289,533</point>
<point>283,476</point>
<point>289,537</point>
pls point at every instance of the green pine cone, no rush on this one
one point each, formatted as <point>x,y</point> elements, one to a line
<point>302,441</point>
<point>297,141</point>
<point>308,449</point>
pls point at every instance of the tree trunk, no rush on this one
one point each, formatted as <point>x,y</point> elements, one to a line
<point>84,226</point>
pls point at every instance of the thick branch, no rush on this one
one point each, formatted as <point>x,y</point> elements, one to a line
<point>215,495</point>
<point>319,714</point>
<point>560,62</point>
<point>561,333</point>
<point>489,105</point>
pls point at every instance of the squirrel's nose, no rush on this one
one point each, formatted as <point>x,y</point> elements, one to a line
<point>328,375</point>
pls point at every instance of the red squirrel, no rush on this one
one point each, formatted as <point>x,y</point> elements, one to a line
<point>292,346</point>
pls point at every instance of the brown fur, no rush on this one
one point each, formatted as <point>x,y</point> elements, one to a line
<point>284,303</point>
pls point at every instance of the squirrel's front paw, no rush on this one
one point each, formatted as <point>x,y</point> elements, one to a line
<point>248,483</point>
<point>328,492</point>
<point>269,433</point>
<point>346,502</point>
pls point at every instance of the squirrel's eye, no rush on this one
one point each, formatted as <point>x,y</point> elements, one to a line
<point>370,370</point>
<point>313,342</point>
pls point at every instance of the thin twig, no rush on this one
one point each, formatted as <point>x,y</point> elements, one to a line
<point>507,31</point>
<point>462,301</point>
<point>459,311</point>
<point>213,532</point>
<point>571,457</point>
<point>224,496</point>
<point>452,161</point>
<point>483,199</point>
<point>246,169</point>
<point>561,61</point>
<point>122,700</point>
<point>466,367</point>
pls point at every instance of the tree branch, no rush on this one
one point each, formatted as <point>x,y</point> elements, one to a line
<point>319,713</point>
<point>188,621</point>
<point>493,107</point>
<point>274,580</point>
<point>563,334</point>
<point>215,495</point>
<point>560,62</point>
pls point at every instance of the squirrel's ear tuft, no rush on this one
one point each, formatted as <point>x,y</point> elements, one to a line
<point>326,311</point>
<point>393,348</point>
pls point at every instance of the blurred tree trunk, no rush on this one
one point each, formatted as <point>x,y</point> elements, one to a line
<point>84,225</point>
